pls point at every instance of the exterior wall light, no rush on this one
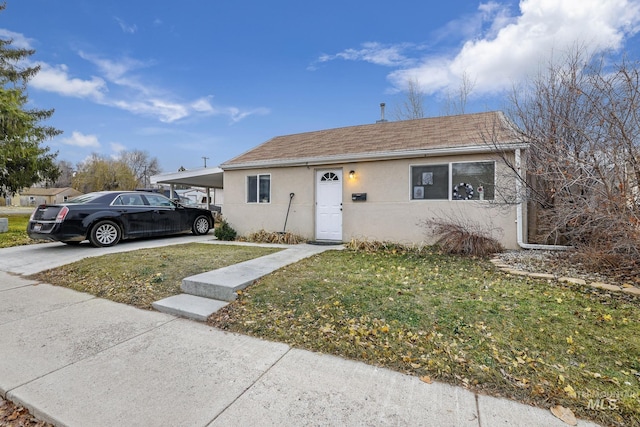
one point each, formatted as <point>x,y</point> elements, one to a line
<point>352,174</point>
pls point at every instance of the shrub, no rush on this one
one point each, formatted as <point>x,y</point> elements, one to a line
<point>463,238</point>
<point>224,231</point>
<point>263,236</point>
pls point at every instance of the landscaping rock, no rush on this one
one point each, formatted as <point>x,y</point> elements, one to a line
<point>632,291</point>
<point>606,286</point>
<point>572,280</point>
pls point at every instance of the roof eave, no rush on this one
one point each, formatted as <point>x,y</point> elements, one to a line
<point>370,157</point>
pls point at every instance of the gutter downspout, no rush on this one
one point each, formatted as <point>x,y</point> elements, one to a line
<point>519,215</point>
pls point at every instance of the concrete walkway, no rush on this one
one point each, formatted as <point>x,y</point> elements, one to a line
<point>76,360</point>
<point>208,292</point>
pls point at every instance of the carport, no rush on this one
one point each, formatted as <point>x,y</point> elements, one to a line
<point>207,178</point>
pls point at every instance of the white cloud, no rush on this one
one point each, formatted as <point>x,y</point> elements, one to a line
<point>116,147</point>
<point>165,111</point>
<point>144,99</point>
<point>57,79</point>
<point>513,47</point>
<point>202,105</point>
<point>237,115</point>
<point>120,84</point>
<point>375,53</point>
<point>80,140</point>
<point>18,40</point>
<point>126,28</point>
<point>119,72</point>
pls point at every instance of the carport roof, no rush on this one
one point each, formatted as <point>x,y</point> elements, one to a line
<point>204,177</point>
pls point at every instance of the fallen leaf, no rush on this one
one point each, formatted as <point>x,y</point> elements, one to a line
<point>427,379</point>
<point>570,391</point>
<point>564,414</point>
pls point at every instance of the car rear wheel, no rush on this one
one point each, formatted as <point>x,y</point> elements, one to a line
<point>200,225</point>
<point>105,233</point>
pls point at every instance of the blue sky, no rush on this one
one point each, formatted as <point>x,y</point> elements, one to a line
<point>209,78</point>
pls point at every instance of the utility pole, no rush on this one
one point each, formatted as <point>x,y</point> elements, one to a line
<point>205,161</point>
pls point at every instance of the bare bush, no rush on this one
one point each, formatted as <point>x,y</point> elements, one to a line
<point>463,237</point>
<point>581,170</point>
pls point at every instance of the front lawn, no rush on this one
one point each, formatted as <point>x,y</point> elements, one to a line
<point>456,320</point>
<point>142,277</point>
<point>17,234</point>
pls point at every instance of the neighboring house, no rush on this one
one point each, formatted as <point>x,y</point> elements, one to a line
<point>379,181</point>
<point>36,196</point>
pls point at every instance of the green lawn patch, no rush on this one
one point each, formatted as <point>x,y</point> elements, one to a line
<point>144,276</point>
<point>17,234</point>
<point>457,320</point>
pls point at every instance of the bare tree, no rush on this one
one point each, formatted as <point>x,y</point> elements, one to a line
<point>66,174</point>
<point>582,171</point>
<point>413,105</point>
<point>456,102</point>
<point>141,164</point>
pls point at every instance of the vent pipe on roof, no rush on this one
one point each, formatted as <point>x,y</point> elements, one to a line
<point>382,119</point>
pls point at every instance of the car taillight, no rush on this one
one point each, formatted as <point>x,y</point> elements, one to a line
<point>62,214</point>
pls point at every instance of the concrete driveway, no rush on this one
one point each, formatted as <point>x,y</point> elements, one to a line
<point>31,259</point>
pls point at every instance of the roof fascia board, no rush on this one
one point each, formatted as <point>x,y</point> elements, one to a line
<point>370,157</point>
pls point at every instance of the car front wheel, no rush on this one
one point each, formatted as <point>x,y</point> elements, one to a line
<point>200,225</point>
<point>105,233</point>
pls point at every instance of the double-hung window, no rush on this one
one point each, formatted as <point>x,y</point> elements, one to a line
<point>259,188</point>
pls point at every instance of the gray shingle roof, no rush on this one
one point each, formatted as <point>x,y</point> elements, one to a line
<point>386,138</point>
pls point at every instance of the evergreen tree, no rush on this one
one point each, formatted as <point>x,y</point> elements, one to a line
<point>23,159</point>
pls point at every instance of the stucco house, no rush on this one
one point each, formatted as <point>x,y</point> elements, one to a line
<point>38,195</point>
<point>380,181</point>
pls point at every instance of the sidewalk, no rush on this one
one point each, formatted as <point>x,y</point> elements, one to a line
<point>76,360</point>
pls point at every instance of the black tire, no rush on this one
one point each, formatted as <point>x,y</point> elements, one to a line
<point>105,233</point>
<point>200,225</point>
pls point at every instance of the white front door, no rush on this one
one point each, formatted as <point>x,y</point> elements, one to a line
<point>329,205</point>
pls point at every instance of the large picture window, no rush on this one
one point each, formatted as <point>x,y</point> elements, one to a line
<point>453,181</point>
<point>259,188</point>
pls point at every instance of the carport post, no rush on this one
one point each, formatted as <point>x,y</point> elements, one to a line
<point>208,198</point>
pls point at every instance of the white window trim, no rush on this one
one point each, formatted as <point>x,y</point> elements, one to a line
<point>246,189</point>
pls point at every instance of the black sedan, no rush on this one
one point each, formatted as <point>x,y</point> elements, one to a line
<point>106,217</point>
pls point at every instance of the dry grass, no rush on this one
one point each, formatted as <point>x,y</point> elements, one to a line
<point>284,238</point>
<point>458,320</point>
<point>17,234</point>
<point>142,277</point>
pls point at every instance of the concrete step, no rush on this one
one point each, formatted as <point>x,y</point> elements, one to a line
<point>189,306</point>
